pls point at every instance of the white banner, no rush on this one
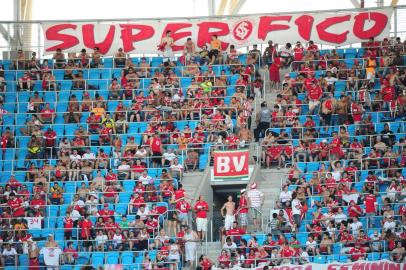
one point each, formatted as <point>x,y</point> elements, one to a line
<point>334,28</point>
<point>359,265</point>
<point>34,222</point>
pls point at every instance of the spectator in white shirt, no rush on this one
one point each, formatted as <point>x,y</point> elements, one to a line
<point>89,156</point>
<point>168,157</point>
<point>75,157</point>
<point>123,170</point>
<point>117,240</point>
<point>284,197</point>
<point>355,226</point>
<point>9,256</point>
<point>340,216</point>
<point>389,224</point>
<point>230,245</point>
<point>311,245</point>
<point>255,202</point>
<point>145,178</point>
<point>176,169</point>
<point>143,212</point>
<point>296,211</point>
<point>101,240</point>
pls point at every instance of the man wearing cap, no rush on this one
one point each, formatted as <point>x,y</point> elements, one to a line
<point>243,209</point>
<point>201,208</point>
<point>255,202</point>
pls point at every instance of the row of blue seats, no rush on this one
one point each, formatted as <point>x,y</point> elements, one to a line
<point>108,62</point>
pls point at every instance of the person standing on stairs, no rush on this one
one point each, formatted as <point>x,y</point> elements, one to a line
<point>255,200</point>
<point>201,208</point>
<point>263,121</point>
<point>229,206</point>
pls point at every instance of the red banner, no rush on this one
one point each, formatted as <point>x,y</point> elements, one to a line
<point>231,164</point>
<point>335,28</point>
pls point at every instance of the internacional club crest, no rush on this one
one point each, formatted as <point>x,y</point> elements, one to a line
<point>242,30</point>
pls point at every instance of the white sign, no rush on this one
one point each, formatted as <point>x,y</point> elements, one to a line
<point>334,28</point>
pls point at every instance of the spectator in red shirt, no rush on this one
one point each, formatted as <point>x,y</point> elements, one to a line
<point>16,205</point>
<point>354,210</point>
<point>201,208</point>
<point>50,141</point>
<point>70,254</point>
<point>236,232</point>
<point>370,208</point>
<point>224,259</point>
<point>85,233</point>
<point>357,253</point>
<point>47,114</point>
<point>314,95</point>
<point>274,153</point>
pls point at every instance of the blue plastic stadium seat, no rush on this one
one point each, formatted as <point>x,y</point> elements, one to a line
<point>97,259</point>
<point>112,257</point>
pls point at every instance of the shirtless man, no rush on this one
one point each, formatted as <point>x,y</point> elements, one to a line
<point>229,206</point>
<point>342,110</point>
<point>189,50</point>
<point>167,43</point>
<point>59,58</point>
<point>244,134</point>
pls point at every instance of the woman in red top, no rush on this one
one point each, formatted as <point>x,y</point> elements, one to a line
<point>251,259</point>
<point>205,263</point>
<point>224,259</point>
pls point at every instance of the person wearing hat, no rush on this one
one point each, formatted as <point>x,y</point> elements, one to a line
<point>242,210</point>
<point>255,202</point>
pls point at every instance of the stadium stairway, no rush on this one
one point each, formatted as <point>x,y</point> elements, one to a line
<point>269,182</point>
<point>191,182</point>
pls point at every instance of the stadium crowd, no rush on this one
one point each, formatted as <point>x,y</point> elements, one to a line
<point>95,150</point>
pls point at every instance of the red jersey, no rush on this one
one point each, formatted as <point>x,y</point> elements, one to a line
<point>352,213</point>
<point>182,206</point>
<point>156,145</point>
<point>50,138</point>
<point>86,225</point>
<point>315,92</point>
<point>201,208</point>
<point>388,93</point>
<point>243,205</point>
<point>16,207</point>
<point>370,201</point>
<point>179,194</point>
<point>357,253</point>
<point>68,224</point>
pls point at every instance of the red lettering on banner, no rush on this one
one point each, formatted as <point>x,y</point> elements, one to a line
<point>231,164</point>
<point>394,266</point>
<point>67,41</point>
<point>145,32</point>
<point>204,33</point>
<point>174,27</point>
<point>304,26</point>
<point>284,268</point>
<point>328,36</point>
<point>380,20</point>
<point>88,38</point>
<point>358,266</point>
<point>265,25</point>
<point>376,266</point>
